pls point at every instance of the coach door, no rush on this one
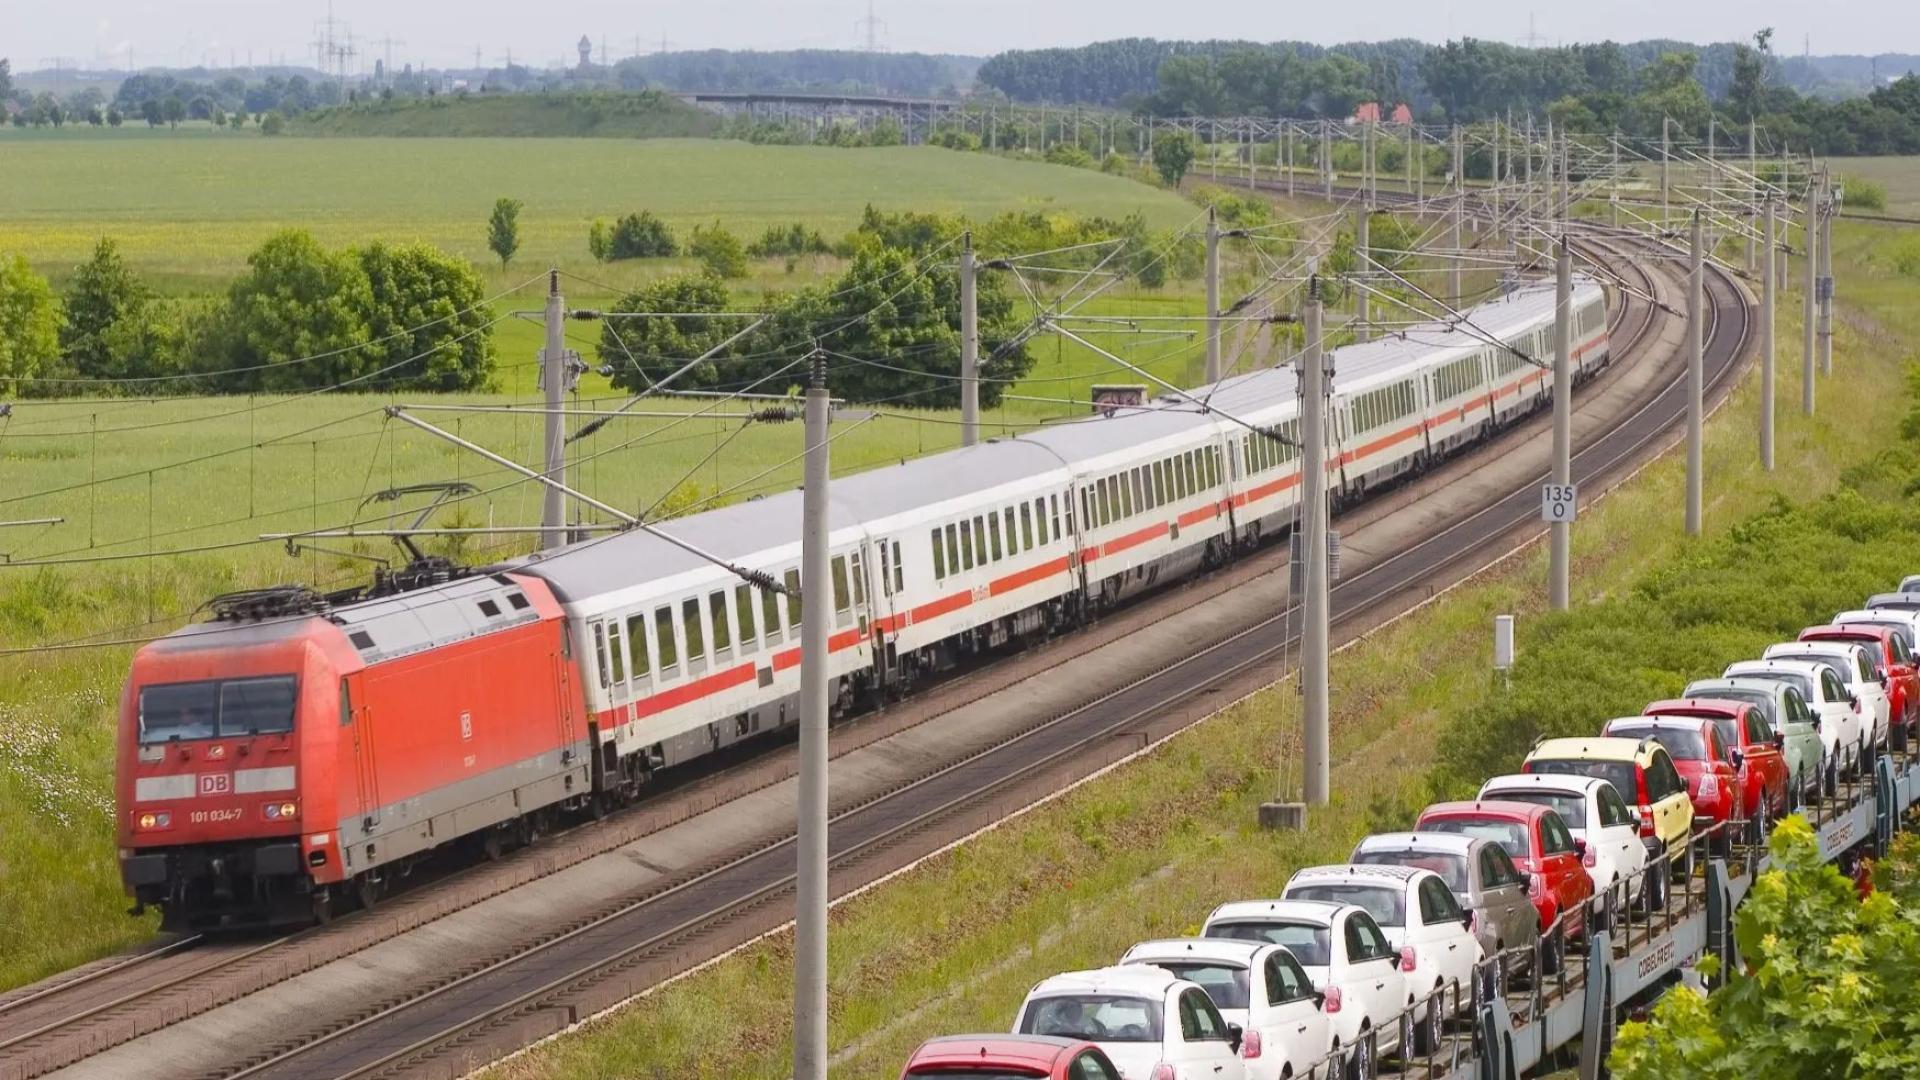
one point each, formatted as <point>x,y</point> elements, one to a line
<point>563,686</point>
<point>356,721</point>
<point>888,599</point>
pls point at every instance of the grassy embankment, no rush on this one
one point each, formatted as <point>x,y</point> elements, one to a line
<point>1148,850</point>
<point>600,115</point>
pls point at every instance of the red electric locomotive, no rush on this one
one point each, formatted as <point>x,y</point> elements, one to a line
<point>288,756</point>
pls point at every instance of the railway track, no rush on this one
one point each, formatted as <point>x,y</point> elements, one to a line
<point>565,976</point>
<point>544,982</point>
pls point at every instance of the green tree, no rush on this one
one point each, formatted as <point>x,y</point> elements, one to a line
<point>103,292</point>
<point>1824,985</point>
<point>1746,97</point>
<point>298,302</point>
<point>114,116</point>
<point>426,318</point>
<point>48,107</point>
<point>642,236</point>
<point>6,78</point>
<point>238,120</point>
<point>173,110</point>
<point>150,112</point>
<point>503,230</point>
<point>1172,154</point>
<point>600,241</point>
<point>273,124</point>
<point>29,321</point>
<point>642,351</point>
<point>718,250</point>
<point>158,338</point>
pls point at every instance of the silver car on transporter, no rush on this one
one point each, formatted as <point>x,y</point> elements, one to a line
<point>1481,874</point>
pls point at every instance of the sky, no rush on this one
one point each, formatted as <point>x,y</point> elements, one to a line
<point>444,32</point>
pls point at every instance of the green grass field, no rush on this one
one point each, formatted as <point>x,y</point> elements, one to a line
<point>1899,175</point>
<point>189,206</point>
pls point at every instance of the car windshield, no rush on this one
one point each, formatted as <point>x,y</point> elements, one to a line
<point>1684,744</point>
<point>1510,835</point>
<point>1095,1017</point>
<point>203,710</point>
<point>1794,679</point>
<point>1903,631</point>
<point>1618,773</point>
<point>1387,904</point>
<point>1573,808</point>
<point>1225,983</point>
<point>1759,699</point>
<point>1309,944</point>
<point>1451,868</point>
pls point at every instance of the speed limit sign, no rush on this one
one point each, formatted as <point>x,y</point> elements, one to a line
<point>1559,503</point>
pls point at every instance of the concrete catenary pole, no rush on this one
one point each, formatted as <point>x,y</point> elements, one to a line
<point>1326,157</point>
<point>816,613</point>
<point>969,344</point>
<point>1561,532</point>
<point>1826,274</point>
<point>1696,341</point>
<point>1753,192</point>
<point>1809,322</point>
<point>553,378</point>
<point>1666,164</point>
<point>1767,286</point>
<point>1613,180</point>
<point>1494,180</point>
<point>1213,297</point>
<point>1454,275</point>
<point>1286,148</point>
<point>1362,302</point>
<point>1313,512</point>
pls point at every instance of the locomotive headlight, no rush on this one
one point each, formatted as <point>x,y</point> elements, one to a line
<point>280,811</point>
<point>287,809</point>
<point>150,820</point>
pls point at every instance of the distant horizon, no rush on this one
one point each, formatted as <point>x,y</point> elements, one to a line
<point>115,35</point>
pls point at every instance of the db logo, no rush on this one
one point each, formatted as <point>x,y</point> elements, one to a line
<point>215,783</point>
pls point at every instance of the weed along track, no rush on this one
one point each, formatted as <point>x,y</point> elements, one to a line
<point>498,964</point>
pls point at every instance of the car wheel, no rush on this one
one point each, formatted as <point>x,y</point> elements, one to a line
<point>1426,1042</point>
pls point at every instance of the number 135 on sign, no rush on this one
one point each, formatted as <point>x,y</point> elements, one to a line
<point>1559,503</point>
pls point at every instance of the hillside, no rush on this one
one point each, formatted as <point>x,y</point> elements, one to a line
<point>647,115</point>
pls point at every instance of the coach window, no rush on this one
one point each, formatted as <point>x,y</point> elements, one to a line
<point>1013,531</point>
<point>616,654</point>
<point>1053,504</point>
<point>939,557</point>
<point>1140,498</point>
<point>980,541</point>
<point>1127,501</point>
<point>600,651</point>
<point>696,636</point>
<point>770,617</point>
<point>637,649</point>
<point>860,580</point>
<point>743,613</point>
<point>899,570</point>
<point>966,544</point>
<point>1026,526</point>
<point>665,646</point>
<point>1040,514</point>
<point>993,535</point>
<point>1189,474</point>
<point>795,598</point>
<point>953,550</point>
<point>840,594</point>
<point>722,633</point>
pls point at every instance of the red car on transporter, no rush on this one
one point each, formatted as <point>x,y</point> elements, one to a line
<point>1901,676</point>
<point>1006,1057</point>
<point>1701,757</point>
<point>1760,767</point>
<point>272,765</point>
<point>1541,846</point>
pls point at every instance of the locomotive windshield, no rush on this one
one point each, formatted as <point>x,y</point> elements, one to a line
<point>228,708</point>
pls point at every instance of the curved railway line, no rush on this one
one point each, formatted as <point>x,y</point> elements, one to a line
<point>552,978</point>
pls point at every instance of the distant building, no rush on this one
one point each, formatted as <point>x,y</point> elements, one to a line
<point>1369,112</point>
<point>586,52</point>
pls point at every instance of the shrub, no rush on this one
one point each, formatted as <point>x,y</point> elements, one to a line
<point>642,236</point>
<point>1068,154</point>
<point>794,239</point>
<point>600,241</point>
<point>273,124</point>
<point>955,140</point>
<point>1863,194</point>
<point>718,250</point>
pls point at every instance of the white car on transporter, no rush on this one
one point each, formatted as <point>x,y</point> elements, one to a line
<point>1153,1024</point>
<point>1421,918</point>
<point>1858,668</point>
<point>1843,727</point>
<point>1343,951</point>
<point>1284,1029</point>
<point>1615,856</point>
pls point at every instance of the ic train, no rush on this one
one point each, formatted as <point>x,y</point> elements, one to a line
<point>271,769</point>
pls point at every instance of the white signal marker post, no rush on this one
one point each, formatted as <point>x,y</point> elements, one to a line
<point>1696,340</point>
<point>1313,515</point>
<point>810,886</point>
<point>553,376</point>
<point>1561,510</point>
<point>1767,287</point>
<point>969,344</point>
